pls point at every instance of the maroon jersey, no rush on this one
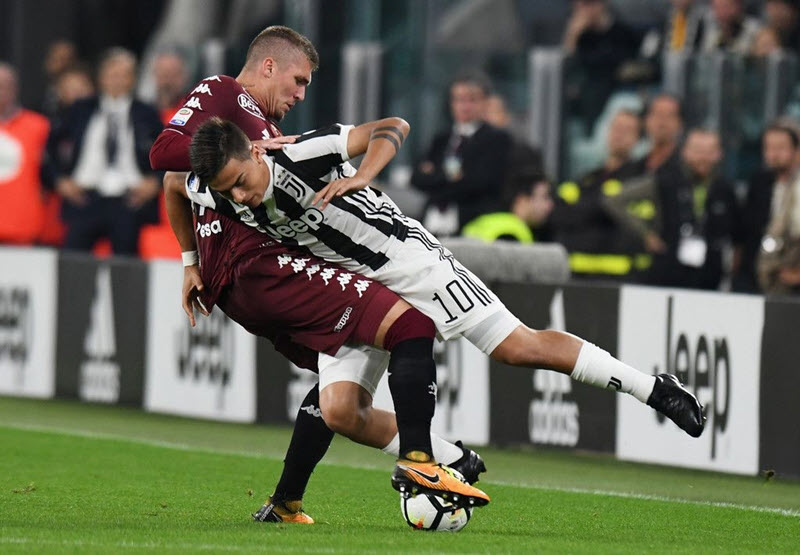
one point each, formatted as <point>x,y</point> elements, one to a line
<point>286,295</point>
<point>220,241</point>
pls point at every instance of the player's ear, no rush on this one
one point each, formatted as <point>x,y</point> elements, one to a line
<point>268,67</point>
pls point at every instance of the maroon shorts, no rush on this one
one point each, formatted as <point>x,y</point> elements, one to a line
<point>316,304</point>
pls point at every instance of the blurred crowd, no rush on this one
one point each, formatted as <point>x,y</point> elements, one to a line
<point>657,210</point>
<point>77,174</point>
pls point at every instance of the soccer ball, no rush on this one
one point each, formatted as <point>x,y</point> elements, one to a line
<point>431,512</point>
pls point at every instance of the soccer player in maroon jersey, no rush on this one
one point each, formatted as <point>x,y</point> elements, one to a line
<point>278,68</point>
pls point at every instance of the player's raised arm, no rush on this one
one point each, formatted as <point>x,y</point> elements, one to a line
<point>379,141</point>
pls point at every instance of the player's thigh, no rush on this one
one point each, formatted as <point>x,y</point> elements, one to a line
<point>427,275</point>
<point>362,366</point>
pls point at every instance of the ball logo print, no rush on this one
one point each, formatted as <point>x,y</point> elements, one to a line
<point>432,513</point>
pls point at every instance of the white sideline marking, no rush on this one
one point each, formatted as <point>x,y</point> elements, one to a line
<point>605,493</point>
<point>164,546</point>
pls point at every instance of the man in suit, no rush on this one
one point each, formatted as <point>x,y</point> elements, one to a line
<point>102,157</point>
<point>463,172</point>
<point>780,147</point>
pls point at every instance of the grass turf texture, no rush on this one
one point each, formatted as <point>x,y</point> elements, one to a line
<point>80,478</point>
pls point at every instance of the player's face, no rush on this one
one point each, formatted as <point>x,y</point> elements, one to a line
<point>288,83</point>
<point>243,181</point>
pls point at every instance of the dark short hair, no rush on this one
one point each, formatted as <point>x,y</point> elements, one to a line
<point>780,127</point>
<point>475,78</point>
<point>214,144</point>
<point>669,96</point>
<point>277,41</point>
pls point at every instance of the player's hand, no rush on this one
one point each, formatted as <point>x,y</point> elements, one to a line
<point>192,285</point>
<point>338,188</point>
<point>274,143</point>
<point>71,191</point>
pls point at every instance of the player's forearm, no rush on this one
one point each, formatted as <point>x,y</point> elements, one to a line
<point>179,210</point>
<point>379,141</point>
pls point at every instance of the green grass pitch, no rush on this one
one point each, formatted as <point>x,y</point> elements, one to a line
<point>82,478</point>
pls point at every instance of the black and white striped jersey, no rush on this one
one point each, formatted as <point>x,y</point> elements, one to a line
<point>365,227</point>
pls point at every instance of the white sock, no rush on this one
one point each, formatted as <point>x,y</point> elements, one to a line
<point>443,451</point>
<point>597,367</point>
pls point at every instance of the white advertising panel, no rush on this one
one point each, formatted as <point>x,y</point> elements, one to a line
<point>28,285</point>
<point>207,371</point>
<point>462,406</point>
<point>712,342</point>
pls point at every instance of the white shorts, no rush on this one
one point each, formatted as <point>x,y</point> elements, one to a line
<point>430,279</point>
<point>363,365</point>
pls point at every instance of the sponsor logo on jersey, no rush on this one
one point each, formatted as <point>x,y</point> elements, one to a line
<point>310,220</point>
<point>207,230</point>
<point>181,116</point>
<point>249,105</point>
<point>343,320</point>
<point>100,373</point>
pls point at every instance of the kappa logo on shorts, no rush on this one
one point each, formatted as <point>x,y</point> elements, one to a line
<point>299,264</point>
<point>249,105</point>
<point>312,270</point>
<point>361,286</point>
<point>327,274</point>
<point>344,279</point>
<point>343,320</point>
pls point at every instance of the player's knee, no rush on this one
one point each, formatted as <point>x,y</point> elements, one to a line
<point>344,419</point>
<point>521,348</point>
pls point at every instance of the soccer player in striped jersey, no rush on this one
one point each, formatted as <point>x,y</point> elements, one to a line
<point>307,195</point>
<point>277,71</point>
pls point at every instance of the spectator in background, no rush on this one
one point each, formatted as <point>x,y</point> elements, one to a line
<point>464,170</point>
<point>171,78</point>
<point>782,18</point>
<point>781,155</point>
<point>663,124</point>
<point>104,173</point>
<point>523,159</point>
<point>767,42</point>
<point>529,203</point>
<point>61,55</point>
<point>72,84</point>
<point>598,247</point>
<point>23,136</point>
<point>778,262</point>
<point>697,218</point>
<point>600,44</point>
<point>727,27</point>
